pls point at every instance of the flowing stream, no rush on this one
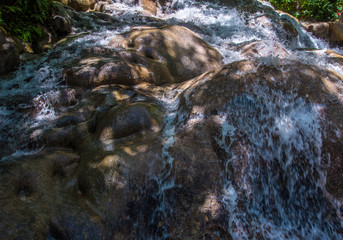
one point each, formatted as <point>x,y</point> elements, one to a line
<point>265,214</point>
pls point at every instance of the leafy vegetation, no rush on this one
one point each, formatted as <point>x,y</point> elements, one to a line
<point>21,17</point>
<point>320,10</point>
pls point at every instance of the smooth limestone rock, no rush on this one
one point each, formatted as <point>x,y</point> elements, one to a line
<point>308,85</point>
<point>149,6</point>
<point>96,71</point>
<point>235,125</point>
<point>264,48</point>
<point>237,119</point>
<point>126,120</point>
<point>108,185</point>
<point>37,189</point>
<point>80,5</point>
<point>184,53</point>
<point>332,32</point>
<point>154,55</point>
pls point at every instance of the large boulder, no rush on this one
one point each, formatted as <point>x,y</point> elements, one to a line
<point>264,91</point>
<point>9,53</point>
<point>208,158</point>
<point>275,128</point>
<point>331,32</point>
<point>154,55</point>
<point>36,202</point>
<point>96,71</point>
<point>184,53</point>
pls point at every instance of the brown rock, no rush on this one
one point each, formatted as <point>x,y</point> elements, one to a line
<point>38,188</point>
<point>332,32</point>
<point>149,6</point>
<point>337,32</point>
<point>79,5</point>
<point>320,30</point>
<point>264,48</point>
<point>96,71</point>
<point>153,55</point>
<point>243,78</point>
<point>126,120</point>
<point>184,53</point>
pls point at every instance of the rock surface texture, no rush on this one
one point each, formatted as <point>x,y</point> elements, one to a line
<point>147,131</point>
<point>162,55</point>
<point>80,5</point>
<point>332,32</point>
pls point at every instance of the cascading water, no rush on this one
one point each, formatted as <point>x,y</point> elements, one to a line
<point>281,186</point>
<point>280,194</point>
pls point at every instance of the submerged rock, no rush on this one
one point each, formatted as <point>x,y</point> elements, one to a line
<point>264,49</point>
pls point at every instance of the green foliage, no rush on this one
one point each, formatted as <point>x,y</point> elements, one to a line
<point>320,10</point>
<point>21,17</point>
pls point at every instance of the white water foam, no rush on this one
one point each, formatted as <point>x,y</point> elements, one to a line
<point>281,182</point>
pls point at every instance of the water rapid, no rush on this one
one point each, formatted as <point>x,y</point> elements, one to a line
<point>273,175</point>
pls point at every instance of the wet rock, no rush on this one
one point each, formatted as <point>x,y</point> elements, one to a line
<point>152,55</point>
<point>115,180</point>
<point>31,192</point>
<point>71,224</point>
<point>329,55</point>
<point>332,32</point>
<point>264,48</point>
<point>96,71</point>
<point>184,53</point>
<point>151,6</point>
<point>54,101</point>
<point>294,31</point>
<point>290,30</point>
<point>80,5</point>
<point>312,84</point>
<point>62,19</point>
<point>126,120</point>
<point>61,25</point>
<point>320,30</point>
<point>100,6</point>
<point>9,53</point>
<point>225,121</point>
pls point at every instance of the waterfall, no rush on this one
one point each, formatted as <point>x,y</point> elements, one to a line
<point>269,142</point>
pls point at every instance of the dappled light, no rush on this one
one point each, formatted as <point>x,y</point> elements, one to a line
<point>174,120</point>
